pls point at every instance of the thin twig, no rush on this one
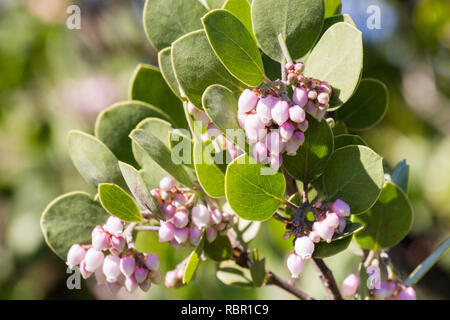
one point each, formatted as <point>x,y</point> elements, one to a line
<point>277,281</point>
<point>291,204</point>
<point>278,216</point>
<point>328,281</point>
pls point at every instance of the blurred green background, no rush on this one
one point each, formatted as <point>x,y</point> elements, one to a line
<point>53,79</point>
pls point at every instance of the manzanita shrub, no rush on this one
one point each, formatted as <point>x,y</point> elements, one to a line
<point>246,119</point>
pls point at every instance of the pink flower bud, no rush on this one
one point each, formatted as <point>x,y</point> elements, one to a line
<point>113,225</point>
<point>140,274</point>
<point>274,142</point>
<point>291,77</point>
<point>300,97</point>
<point>254,128</point>
<point>303,126</point>
<point>295,264</point>
<point>169,210</point>
<point>325,88</point>
<point>114,287</point>
<point>152,261</point>
<point>342,225</point>
<point>211,234</point>
<point>130,284</point>
<point>275,161</point>
<point>111,268</point>
<point>320,113</point>
<point>203,117</point>
<point>216,216</point>
<point>181,235</point>
<point>297,114</point>
<point>289,66</point>
<point>156,277</point>
<point>117,244</point>
<point>332,220</point>
<point>304,247</point>
<point>314,236</point>
<point>179,200</point>
<point>286,131</point>
<point>294,143</point>
<point>100,277</point>
<point>241,119</point>
<point>312,94</point>
<point>156,194</point>
<point>145,285</point>
<point>194,235</point>
<point>407,294</point>
<point>166,231</point>
<point>167,183</point>
<point>164,195</point>
<point>127,266</point>
<point>94,259</point>
<point>341,208</point>
<point>299,67</point>
<point>247,101</point>
<point>323,98</point>
<point>350,285</point>
<point>323,230</point>
<point>311,108</point>
<point>200,215</point>
<point>75,255</point>
<point>264,108</point>
<point>260,151</point>
<point>96,230</point>
<point>385,291</point>
<point>84,272</point>
<point>171,279</point>
<point>280,112</point>
<point>180,219</point>
<point>100,240</point>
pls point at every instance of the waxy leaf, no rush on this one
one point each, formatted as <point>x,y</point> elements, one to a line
<point>70,219</point>
<point>139,189</point>
<point>93,160</point>
<point>114,125</point>
<point>181,143</point>
<point>161,154</point>
<point>299,21</point>
<point>337,59</point>
<point>148,85</point>
<point>400,175</point>
<point>258,272</point>
<point>387,222</point>
<point>213,4</point>
<point>328,22</point>
<point>193,261</point>
<point>332,7</point>
<point>220,249</point>
<point>165,65</point>
<point>325,250</point>
<point>234,46</point>
<point>311,158</point>
<point>210,175</point>
<point>355,175</point>
<point>253,194</point>
<point>167,20</point>
<point>118,203</point>
<point>344,140</point>
<point>234,275</point>
<point>242,10</point>
<point>366,107</point>
<point>197,67</point>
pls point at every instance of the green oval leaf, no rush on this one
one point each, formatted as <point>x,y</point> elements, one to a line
<point>332,7</point>
<point>234,275</point>
<point>115,123</point>
<point>400,175</point>
<point>258,272</point>
<point>242,10</point>
<point>234,46</point>
<point>253,194</point>
<point>366,107</point>
<point>221,106</point>
<point>311,158</point>
<point>220,249</point>
<point>93,160</point>
<point>167,20</point>
<point>197,67</point>
<point>299,21</point>
<point>355,175</point>
<point>387,222</point>
<point>161,154</point>
<point>70,219</point>
<point>193,261</point>
<point>344,140</point>
<point>118,203</point>
<point>165,65</point>
<point>337,59</point>
<point>209,174</point>
<point>324,250</point>
<point>148,85</point>
<point>139,189</point>
<point>328,22</point>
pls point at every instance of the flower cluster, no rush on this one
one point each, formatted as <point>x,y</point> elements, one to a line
<point>273,123</point>
<point>185,217</point>
<point>391,290</point>
<point>113,262</point>
<point>329,219</point>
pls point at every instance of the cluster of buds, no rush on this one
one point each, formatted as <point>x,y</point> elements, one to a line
<point>113,262</point>
<point>174,278</point>
<point>310,94</point>
<point>330,219</point>
<point>390,290</point>
<point>185,217</point>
